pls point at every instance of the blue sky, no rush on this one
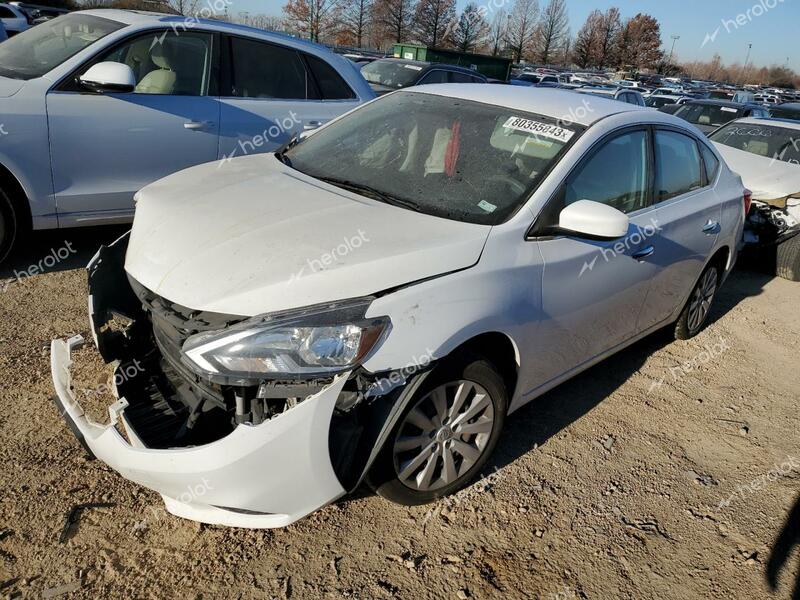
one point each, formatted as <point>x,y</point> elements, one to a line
<point>773,31</point>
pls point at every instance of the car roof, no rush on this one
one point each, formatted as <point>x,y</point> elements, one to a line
<point>785,123</point>
<point>726,103</point>
<point>551,102</point>
<point>141,17</point>
<point>405,61</point>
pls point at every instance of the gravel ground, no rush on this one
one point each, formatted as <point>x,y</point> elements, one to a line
<point>667,471</point>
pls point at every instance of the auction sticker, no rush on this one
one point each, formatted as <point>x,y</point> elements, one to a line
<point>538,129</point>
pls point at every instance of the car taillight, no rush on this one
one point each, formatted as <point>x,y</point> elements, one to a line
<point>748,200</point>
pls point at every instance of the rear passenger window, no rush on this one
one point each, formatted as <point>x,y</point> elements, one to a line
<point>435,76</point>
<point>677,165</point>
<point>603,180</point>
<point>267,71</point>
<point>332,86</point>
<point>456,77</point>
<point>712,164</point>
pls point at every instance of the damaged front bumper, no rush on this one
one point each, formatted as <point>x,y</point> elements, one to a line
<point>267,475</point>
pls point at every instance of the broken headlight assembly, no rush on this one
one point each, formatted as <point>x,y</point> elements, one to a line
<point>312,342</point>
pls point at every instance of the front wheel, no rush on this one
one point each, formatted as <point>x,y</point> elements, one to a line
<point>695,313</point>
<point>9,226</point>
<point>444,436</point>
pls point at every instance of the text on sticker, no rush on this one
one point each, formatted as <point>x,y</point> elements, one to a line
<point>552,132</point>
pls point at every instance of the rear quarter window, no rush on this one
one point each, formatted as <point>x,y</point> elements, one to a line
<point>331,84</point>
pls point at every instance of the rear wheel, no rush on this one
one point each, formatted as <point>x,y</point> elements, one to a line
<point>9,225</point>
<point>695,313</point>
<point>787,259</point>
<point>444,436</point>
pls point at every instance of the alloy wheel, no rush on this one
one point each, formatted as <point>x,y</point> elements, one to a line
<point>702,297</point>
<point>443,435</point>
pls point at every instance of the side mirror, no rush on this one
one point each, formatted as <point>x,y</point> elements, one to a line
<point>593,219</point>
<point>109,77</point>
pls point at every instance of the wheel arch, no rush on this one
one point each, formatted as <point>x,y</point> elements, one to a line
<point>17,195</point>
<point>368,427</point>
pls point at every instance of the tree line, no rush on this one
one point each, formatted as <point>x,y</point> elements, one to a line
<point>520,29</point>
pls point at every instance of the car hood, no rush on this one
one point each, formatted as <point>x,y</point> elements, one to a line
<point>9,87</point>
<point>251,235</point>
<point>767,178</point>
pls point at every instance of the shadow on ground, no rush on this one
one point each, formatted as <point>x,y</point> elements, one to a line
<point>57,250</point>
<point>787,539</point>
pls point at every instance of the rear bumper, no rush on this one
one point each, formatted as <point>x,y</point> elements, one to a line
<point>268,475</point>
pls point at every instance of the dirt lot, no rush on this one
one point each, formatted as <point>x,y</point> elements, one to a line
<point>668,471</point>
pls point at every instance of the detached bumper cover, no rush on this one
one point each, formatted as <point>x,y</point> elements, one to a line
<point>267,475</point>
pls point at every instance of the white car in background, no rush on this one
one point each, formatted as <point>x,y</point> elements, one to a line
<point>766,153</point>
<point>14,20</point>
<point>371,302</point>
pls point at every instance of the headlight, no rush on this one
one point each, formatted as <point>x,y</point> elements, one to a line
<point>311,342</point>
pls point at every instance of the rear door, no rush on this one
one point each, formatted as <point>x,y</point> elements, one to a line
<point>105,147</point>
<point>688,212</point>
<point>272,92</point>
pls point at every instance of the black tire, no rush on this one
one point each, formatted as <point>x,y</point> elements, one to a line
<point>471,369</point>
<point>9,226</point>
<point>687,326</point>
<point>787,259</point>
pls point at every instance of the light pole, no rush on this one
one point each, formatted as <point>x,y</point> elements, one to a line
<point>675,38</point>
<point>746,60</point>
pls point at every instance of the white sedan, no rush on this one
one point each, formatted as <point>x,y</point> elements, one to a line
<point>373,301</point>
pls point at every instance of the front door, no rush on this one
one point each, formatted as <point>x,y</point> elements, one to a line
<point>105,147</point>
<point>593,291</point>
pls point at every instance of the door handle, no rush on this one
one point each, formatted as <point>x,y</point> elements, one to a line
<point>710,226</point>
<point>198,124</point>
<point>311,125</point>
<point>643,253</point>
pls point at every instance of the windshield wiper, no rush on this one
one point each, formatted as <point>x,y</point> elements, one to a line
<point>371,192</point>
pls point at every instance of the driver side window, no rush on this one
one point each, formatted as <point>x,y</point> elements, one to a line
<point>616,175</point>
<point>167,63</point>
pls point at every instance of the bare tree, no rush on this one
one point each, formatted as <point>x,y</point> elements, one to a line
<point>522,27</point>
<point>551,31</point>
<point>356,19</point>
<point>498,32</point>
<point>394,18</point>
<point>472,30</point>
<point>316,19</point>
<point>266,22</point>
<point>607,38</point>
<point>432,20</point>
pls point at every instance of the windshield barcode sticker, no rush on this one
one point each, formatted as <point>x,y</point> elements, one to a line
<point>538,129</point>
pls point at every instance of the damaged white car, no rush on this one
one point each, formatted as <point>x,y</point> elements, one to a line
<point>766,153</point>
<point>372,301</point>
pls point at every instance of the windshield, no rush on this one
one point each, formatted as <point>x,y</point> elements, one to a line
<point>40,49</point>
<point>391,74</point>
<point>769,141</point>
<point>708,114</point>
<point>442,156</point>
